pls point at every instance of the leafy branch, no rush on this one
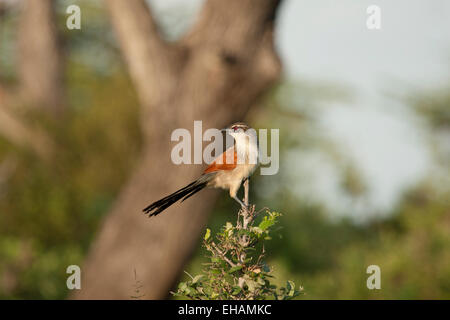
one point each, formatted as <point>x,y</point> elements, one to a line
<point>236,269</point>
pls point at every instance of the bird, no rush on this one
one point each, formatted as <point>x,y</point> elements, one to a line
<point>227,171</point>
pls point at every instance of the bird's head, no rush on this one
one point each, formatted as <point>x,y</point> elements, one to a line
<point>237,129</point>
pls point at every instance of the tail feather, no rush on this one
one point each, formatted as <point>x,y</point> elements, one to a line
<point>158,206</point>
<point>165,199</point>
<point>194,191</point>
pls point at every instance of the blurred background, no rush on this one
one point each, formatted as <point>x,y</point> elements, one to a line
<point>364,119</point>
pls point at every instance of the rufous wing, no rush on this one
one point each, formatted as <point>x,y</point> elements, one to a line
<point>228,161</point>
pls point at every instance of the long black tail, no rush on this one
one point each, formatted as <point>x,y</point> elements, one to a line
<point>186,192</point>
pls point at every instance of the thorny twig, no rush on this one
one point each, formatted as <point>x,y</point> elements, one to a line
<point>222,254</point>
<point>137,288</point>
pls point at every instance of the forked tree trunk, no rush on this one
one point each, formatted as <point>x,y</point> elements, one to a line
<point>214,74</point>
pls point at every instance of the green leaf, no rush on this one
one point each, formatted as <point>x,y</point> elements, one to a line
<point>290,288</point>
<point>207,234</point>
<point>182,286</point>
<point>196,278</point>
<point>251,285</point>
<point>258,230</point>
<point>261,281</point>
<point>234,269</point>
<point>236,290</point>
<point>266,223</point>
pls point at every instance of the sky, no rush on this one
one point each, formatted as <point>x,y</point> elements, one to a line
<point>327,41</point>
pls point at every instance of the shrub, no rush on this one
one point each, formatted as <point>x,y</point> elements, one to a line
<point>236,269</point>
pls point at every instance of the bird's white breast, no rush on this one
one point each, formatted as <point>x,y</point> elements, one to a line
<point>247,161</point>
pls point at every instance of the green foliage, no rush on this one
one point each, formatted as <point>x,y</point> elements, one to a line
<point>49,213</point>
<point>236,269</point>
<point>434,106</point>
<point>412,251</point>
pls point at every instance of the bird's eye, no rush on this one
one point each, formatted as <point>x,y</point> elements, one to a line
<point>235,128</point>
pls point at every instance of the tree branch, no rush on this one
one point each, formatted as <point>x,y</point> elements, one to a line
<point>15,131</point>
<point>222,254</point>
<point>246,190</point>
<point>149,57</point>
<point>214,28</point>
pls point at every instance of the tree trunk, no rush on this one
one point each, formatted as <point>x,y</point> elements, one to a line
<point>214,74</point>
<point>40,66</point>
